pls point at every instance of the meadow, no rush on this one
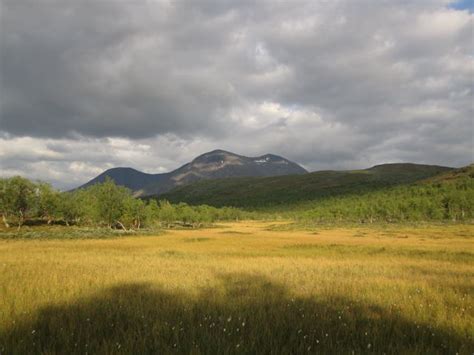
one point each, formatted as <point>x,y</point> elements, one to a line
<point>242,287</point>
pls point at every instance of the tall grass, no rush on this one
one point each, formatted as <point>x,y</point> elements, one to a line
<point>241,288</point>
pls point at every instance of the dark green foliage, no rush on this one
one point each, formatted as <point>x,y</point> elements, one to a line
<point>283,190</point>
<point>367,196</point>
<point>452,201</point>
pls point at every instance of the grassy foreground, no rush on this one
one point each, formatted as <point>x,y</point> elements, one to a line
<point>243,288</point>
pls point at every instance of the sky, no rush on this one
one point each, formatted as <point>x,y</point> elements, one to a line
<point>89,85</point>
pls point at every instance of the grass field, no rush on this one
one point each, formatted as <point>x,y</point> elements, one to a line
<point>248,287</point>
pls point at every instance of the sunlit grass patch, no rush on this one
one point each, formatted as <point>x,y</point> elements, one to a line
<point>259,291</point>
<point>344,250</point>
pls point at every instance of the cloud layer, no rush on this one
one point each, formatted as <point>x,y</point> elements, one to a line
<point>87,85</point>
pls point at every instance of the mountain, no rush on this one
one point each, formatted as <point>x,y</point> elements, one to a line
<point>217,164</point>
<point>128,177</point>
<point>280,190</point>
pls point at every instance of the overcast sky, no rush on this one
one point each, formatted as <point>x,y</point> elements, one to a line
<point>89,85</point>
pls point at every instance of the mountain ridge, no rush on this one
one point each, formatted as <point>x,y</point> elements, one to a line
<point>211,165</point>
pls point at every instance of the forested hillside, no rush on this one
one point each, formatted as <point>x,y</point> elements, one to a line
<point>444,198</point>
<point>375,195</point>
<point>283,190</point>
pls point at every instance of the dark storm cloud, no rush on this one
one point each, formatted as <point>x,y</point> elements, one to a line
<point>108,69</point>
<point>337,84</point>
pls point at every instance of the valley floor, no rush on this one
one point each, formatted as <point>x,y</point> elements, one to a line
<point>248,287</point>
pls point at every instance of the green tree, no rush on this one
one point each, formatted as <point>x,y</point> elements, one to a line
<point>167,212</point>
<point>110,202</point>
<point>135,213</point>
<point>16,199</point>
<point>73,206</point>
<point>47,202</point>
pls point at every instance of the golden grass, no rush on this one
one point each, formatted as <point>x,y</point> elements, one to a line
<point>242,288</point>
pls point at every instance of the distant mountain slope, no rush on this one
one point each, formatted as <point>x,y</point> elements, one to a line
<point>268,191</point>
<point>217,164</point>
<point>128,177</point>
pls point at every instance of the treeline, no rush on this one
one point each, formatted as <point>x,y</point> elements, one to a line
<point>105,204</point>
<point>108,205</point>
<point>445,201</point>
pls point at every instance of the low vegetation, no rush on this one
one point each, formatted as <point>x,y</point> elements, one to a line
<point>240,288</point>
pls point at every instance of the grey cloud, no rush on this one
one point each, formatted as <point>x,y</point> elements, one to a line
<point>108,70</point>
<point>354,83</point>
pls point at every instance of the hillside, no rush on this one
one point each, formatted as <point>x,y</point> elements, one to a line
<point>212,165</point>
<point>448,196</point>
<point>282,190</point>
<point>466,172</point>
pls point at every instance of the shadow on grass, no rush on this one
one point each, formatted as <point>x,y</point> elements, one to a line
<point>248,314</point>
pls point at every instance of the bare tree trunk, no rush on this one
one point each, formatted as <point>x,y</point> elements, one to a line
<point>20,220</point>
<point>121,225</point>
<point>5,222</point>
